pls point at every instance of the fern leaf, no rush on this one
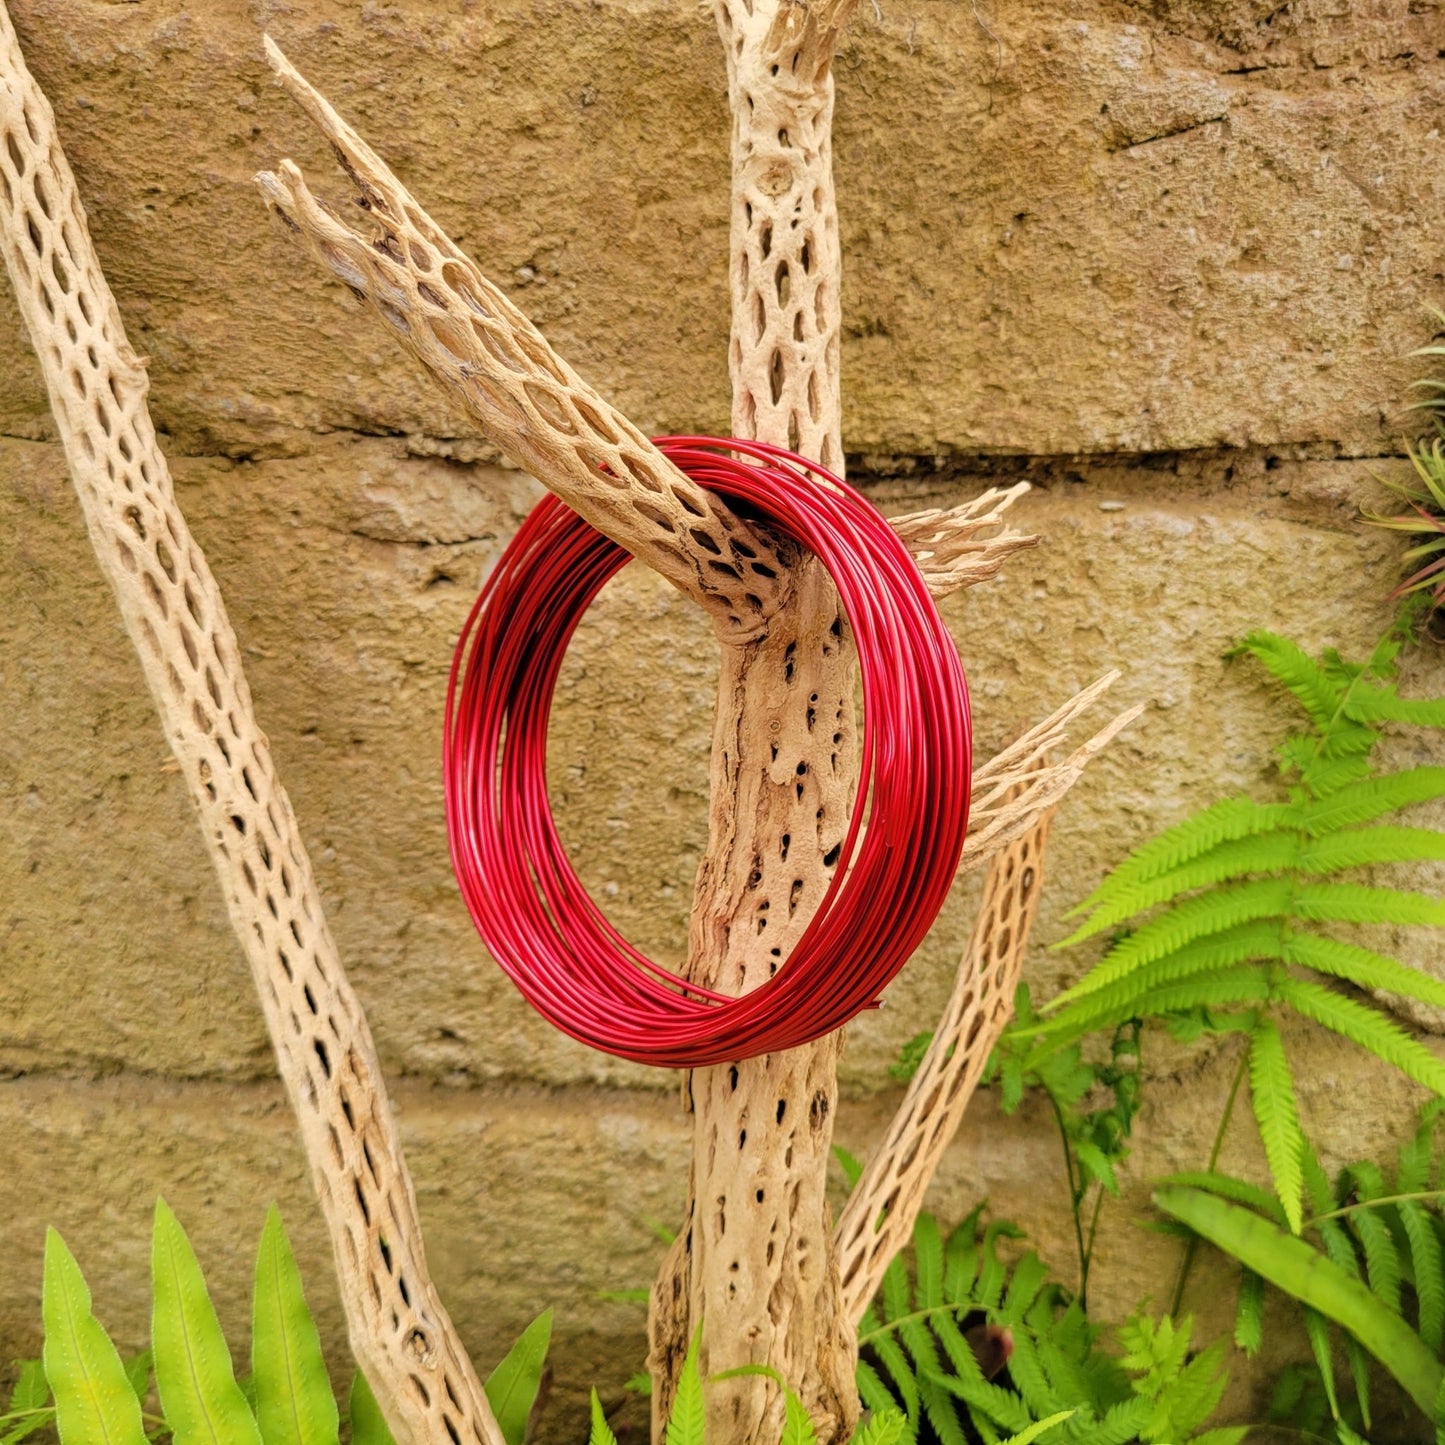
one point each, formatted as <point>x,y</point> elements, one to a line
<point>601,1433</point>
<point>1249,1313</point>
<point>1339,768</point>
<point>1029,1277</point>
<point>200,1397</point>
<point>687,1424</point>
<point>1366,847</point>
<point>1027,1376</point>
<point>1196,918</point>
<point>1428,1267</point>
<point>368,1424</point>
<point>1364,1026</point>
<point>960,1259</point>
<point>897,1296</point>
<point>1222,822</point>
<point>1272,1090</point>
<point>1354,903</point>
<point>1416,1155</point>
<point>94,1402</point>
<point>993,1274</point>
<point>1382,1258</point>
<point>1383,704</point>
<point>1290,665</point>
<point>512,1387</point>
<point>1318,1330</point>
<point>871,1389</point>
<point>1261,938</point>
<point>1240,1191</point>
<point>1359,1362</point>
<point>1123,1423</point>
<point>1270,852</point>
<point>993,1401</point>
<point>900,1372</point>
<point>940,1411</point>
<point>294,1403</point>
<point>1038,1429</point>
<point>1361,967</point>
<point>1292,1265</point>
<point>1317,1184</point>
<point>1196,1391</point>
<point>885,1427</point>
<point>797,1423</point>
<point>928,1261</point>
<point>1371,798</point>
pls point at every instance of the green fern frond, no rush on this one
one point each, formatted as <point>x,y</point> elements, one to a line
<point>1428,1268</point>
<point>1361,967</point>
<point>928,1261</point>
<point>1240,1191</point>
<point>1371,798</point>
<point>1382,1258</point>
<point>1317,1330</point>
<point>1322,773</point>
<point>1196,1392</point>
<point>1271,852</point>
<point>1368,847</point>
<point>1249,1313</point>
<point>1364,1026</point>
<point>1223,822</point>
<point>1378,705</point>
<point>1272,1090</point>
<point>1291,666</point>
<point>1355,903</point>
<point>1196,918</point>
<point>1120,999</point>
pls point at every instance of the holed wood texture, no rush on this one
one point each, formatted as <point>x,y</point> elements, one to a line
<point>173,611</point>
<point>783,759</point>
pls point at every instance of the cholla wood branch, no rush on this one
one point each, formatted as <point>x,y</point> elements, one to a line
<point>489,359</point>
<point>784,763</point>
<point>753,1264</point>
<point>781,782</point>
<point>878,1219</point>
<point>173,612</point>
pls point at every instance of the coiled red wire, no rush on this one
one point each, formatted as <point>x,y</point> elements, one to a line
<point>891,876</point>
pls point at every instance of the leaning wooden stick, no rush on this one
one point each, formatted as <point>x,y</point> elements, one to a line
<point>172,608</point>
<point>879,1216</point>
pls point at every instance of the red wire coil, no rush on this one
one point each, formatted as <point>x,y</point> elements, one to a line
<point>891,877</point>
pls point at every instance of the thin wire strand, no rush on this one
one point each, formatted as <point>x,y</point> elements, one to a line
<point>891,877</point>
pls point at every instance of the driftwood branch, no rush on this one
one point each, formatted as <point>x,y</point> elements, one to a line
<point>489,359</point>
<point>172,608</point>
<point>878,1219</point>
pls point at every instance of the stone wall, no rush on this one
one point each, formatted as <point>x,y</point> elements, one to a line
<point>1165,261</point>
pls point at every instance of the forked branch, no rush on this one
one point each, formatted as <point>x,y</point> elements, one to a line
<point>489,359</point>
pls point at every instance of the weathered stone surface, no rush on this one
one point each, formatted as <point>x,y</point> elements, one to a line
<point>1163,259</point>
<point>534,1198</point>
<point>348,573</point>
<point>1066,227</point>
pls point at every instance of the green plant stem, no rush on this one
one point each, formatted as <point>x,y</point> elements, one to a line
<point>1192,1246</point>
<point>1075,1199</point>
<point>1375,1204</point>
<point>1089,1252</point>
<point>893,1326</point>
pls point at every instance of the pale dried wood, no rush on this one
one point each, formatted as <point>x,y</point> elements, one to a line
<point>489,359</point>
<point>878,1219</point>
<point>753,1265</point>
<point>172,608</point>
